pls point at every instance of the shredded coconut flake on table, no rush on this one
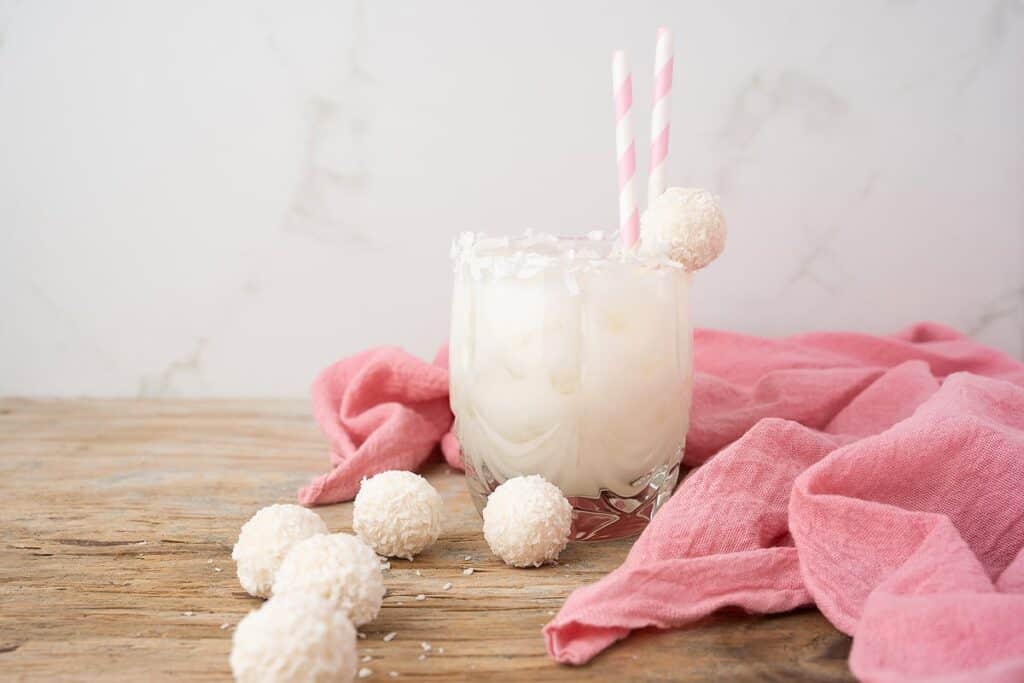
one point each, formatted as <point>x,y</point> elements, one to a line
<point>467,571</point>
<point>447,586</point>
<point>391,636</point>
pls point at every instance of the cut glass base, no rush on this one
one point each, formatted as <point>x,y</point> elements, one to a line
<point>605,517</point>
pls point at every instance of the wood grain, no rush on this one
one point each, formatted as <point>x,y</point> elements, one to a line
<point>117,521</point>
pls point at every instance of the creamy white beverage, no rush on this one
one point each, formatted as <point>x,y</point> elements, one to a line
<point>571,358</point>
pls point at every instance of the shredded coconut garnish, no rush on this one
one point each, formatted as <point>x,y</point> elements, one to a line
<point>421,596</point>
<point>478,256</point>
<point>426,646</point>
<point>391,636</point>
<point>365,673</point>
<point>447,586</point>
<point>467,571</point>
<point>419,573</point>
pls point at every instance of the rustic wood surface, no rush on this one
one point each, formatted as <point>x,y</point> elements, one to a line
<point>118,518</point>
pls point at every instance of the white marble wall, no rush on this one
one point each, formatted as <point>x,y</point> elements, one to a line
<point>219,198</point>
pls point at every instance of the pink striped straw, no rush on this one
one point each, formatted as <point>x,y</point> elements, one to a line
<point>622,88</point>
<point>660,114</point>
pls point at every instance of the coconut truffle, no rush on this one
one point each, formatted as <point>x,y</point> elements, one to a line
<point>685,224</point>
<point>527,521</point>
<point>264,541</point>
<point>397,513</point>
<point>297,638</point>
<point>339,568</point>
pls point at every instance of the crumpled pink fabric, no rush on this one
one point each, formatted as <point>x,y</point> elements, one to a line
<point>881,478</point>
<point>381,409</point>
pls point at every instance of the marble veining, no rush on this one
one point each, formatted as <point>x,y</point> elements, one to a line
<point>167,382</point>
<point>991,36</point>
<point>336,166</point>
<point>821,264</point>
<point>999,308</point>
<point>219,199</point>
<point>765,96</point>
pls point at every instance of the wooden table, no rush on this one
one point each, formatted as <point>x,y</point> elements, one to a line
<point>117,520</point>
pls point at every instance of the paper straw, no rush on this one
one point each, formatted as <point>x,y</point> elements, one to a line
<point>622,88</point>
<point>661,119</point>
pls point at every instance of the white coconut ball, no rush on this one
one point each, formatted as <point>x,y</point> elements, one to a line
<point>685,224</point>
<point>264,541</point>
<point>397,513</point>
<point>297,638</point>
<point>527,521</point>
<point>339,568</point>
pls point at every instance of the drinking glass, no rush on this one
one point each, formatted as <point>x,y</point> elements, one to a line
<point>571,359</point>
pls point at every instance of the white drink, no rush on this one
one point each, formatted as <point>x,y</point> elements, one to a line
<point>572,360</point>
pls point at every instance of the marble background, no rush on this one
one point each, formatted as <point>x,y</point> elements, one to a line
<point>219,198</point>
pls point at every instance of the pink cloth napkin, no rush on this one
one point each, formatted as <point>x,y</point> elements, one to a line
<point>380,410</point>
<point>881,478</point>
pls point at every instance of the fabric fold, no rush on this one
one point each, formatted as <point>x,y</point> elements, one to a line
<point>891,471</point>
<point>382,409</point>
